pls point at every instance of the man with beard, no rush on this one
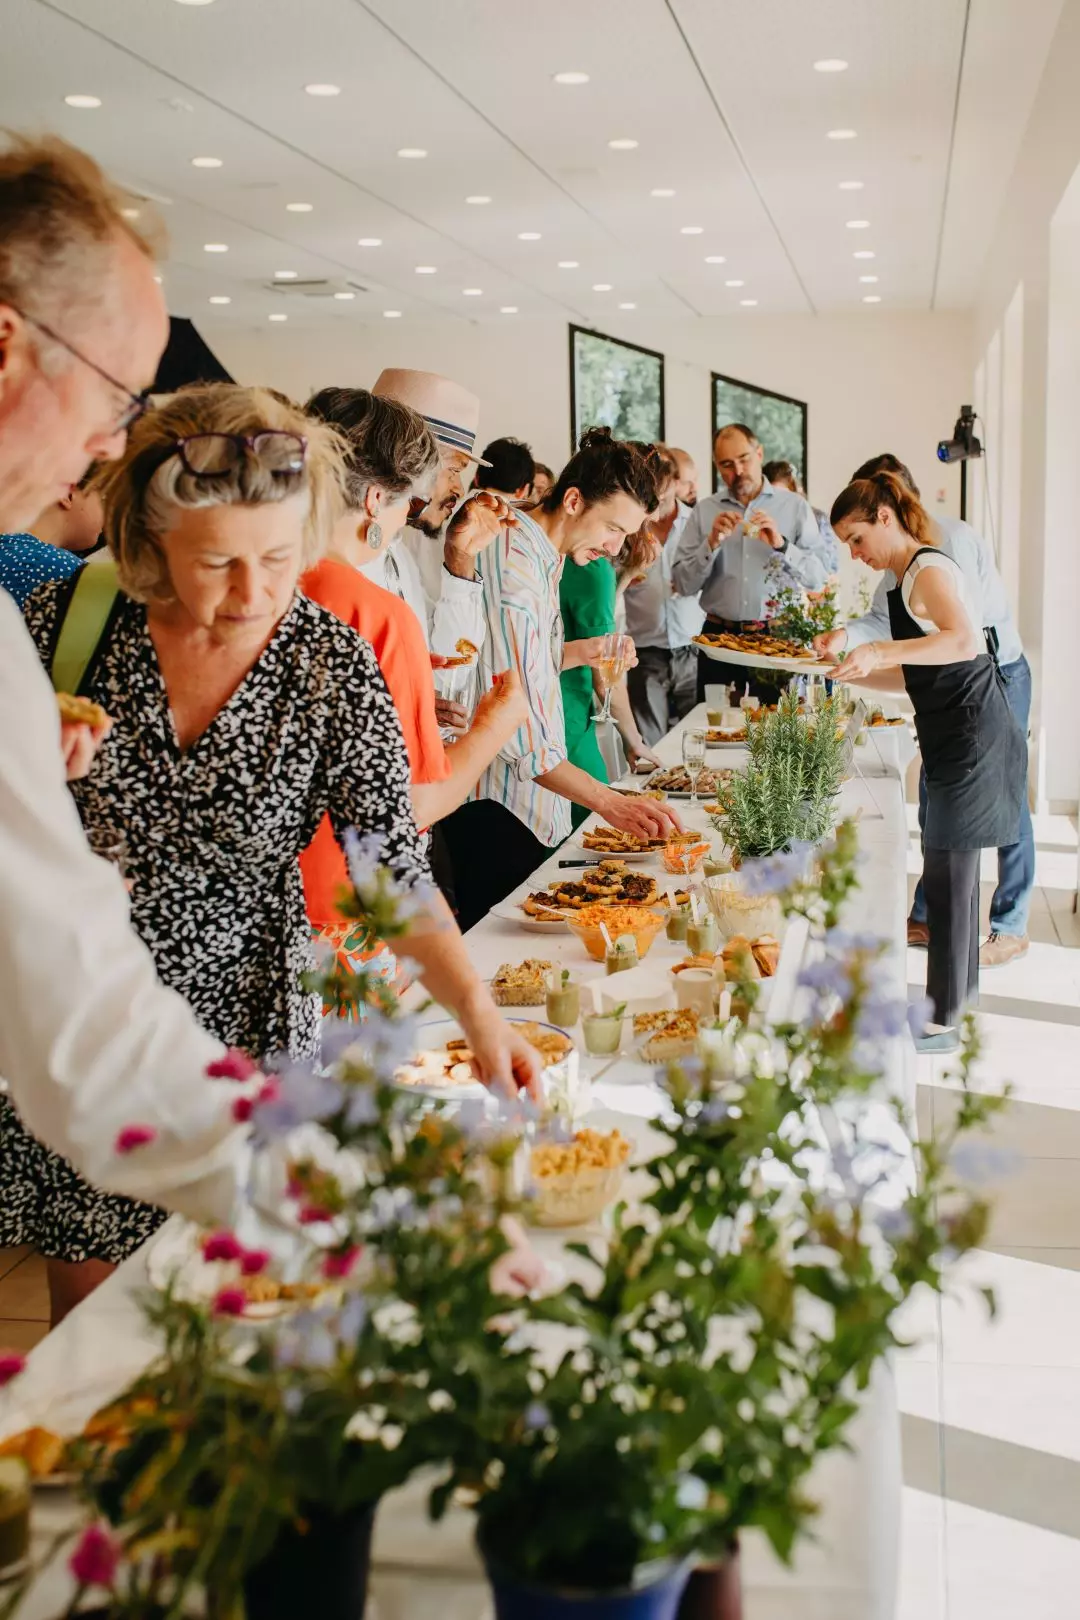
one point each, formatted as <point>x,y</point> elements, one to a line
<point>732,543</point>
<point>433,566</point>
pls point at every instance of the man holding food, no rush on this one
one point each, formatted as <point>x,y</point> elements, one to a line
<point>731,544</point>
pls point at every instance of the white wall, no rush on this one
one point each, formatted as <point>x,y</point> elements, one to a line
<point>1043,426</point>
<point>873,381</point>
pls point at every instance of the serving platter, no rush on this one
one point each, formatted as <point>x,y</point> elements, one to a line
<point>756,660</point>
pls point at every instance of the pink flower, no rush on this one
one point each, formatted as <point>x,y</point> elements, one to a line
<point>230,1302</point>
<point>133,1137</point>
<point>341,1262</point>
<point>269,1093</point>
<point>252,1261</point>
<point>11,1365</point>
<point>295,1186</point>
<point>222,1246</point>
<point>311,1214</point>
<point>242,1109</point>
<point>94,1561</point>
<point>234,1065</point>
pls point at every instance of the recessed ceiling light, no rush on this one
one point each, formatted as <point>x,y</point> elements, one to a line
<point>528,236</point>
<point>344,295</point>
<point>715,258</point>
<point>858,224</point>
<point>662,191</point>
<point>472,292</point>
<point>871,298</point>
<point>734,283</point>
<point>868,279</point>
<point>426,269</point>
<point>601,286</point>
<point>206,163</point>
<point>215,247</point>
<point>864,253</point>
<point>299,208</point>
<point>83,101</point>
<point>411,152</point>
<point>851,185</point>
<point>748,303</point>
<point>194,2</point>
<point>277,317</point>
<point>623,143</point>
<point>569,264</point>
<point>571,77</point>
<point>508,309</point>
<point>323,89</point>
<point>391,314</point>
<point>158,280</point>
<point>220,298</point>
<point>692,230</point>
<point>478,201</point>
<point>830,64</point>
<point>369,241</point>
<point>628,306</point>
<point>841,135</point>
<point>285,275</point>
<point>129,213</point>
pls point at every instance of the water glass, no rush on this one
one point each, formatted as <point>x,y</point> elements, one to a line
<point>693,754</point>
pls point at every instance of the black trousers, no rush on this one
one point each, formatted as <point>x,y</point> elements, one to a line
<point>951,885</point>
<point>490,852</point>
<point>663,688</point>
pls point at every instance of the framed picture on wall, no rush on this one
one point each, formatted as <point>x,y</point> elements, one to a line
<point>778,420</point>
<point>615,384</point>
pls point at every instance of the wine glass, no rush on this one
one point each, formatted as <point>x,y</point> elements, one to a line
<point>693,754</point>
<point>616,652</point>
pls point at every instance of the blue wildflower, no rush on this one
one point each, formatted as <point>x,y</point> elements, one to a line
<point>692,1493</point>
<point>879,1018</point>
<point>351,1320</point>
<point>775,873</point>
<point>362,1108</point>
<point>894,1224</point>
<point>536,1416</point>
<point>977,1162</point>
<point>715,1111</point>
<point>363,855</point>
<point>307,1342</point>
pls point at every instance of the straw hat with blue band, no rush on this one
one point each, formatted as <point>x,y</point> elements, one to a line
<point>450,411</point>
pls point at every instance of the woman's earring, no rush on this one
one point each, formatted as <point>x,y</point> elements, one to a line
<point>374,536</point>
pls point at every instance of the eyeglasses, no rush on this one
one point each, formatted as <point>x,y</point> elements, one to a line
<point>208,455</point>
<point>138,404</point>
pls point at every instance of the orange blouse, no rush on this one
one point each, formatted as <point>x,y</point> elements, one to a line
<point>393,630</point>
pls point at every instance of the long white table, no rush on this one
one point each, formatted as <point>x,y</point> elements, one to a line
<point>425,1572</point>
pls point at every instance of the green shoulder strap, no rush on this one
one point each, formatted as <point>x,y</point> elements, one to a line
<point>96,590</point>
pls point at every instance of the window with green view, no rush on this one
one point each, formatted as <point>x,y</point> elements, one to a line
<point>779,422</point>
<point>615,385</point>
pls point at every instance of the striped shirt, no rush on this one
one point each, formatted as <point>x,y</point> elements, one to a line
<point>524,627</point>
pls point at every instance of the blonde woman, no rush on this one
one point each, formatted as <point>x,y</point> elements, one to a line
<point>242,713</point>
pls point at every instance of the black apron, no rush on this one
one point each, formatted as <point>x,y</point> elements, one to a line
<point>973,750</point>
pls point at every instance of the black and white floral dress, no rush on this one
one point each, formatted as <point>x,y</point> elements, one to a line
<point>213,834</point>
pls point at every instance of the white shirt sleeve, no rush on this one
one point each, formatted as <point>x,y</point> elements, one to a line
<point>90,1040</point>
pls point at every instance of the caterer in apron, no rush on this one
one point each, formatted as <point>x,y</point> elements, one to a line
<point>973,750</point>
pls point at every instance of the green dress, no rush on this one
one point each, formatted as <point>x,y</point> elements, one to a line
<point>587,600</point>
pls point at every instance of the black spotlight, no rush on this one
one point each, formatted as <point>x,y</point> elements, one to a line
<point>962,447</point>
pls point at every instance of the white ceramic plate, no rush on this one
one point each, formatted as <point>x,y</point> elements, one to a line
<point>433,1035</point>
<point>790,666</point>
<point>509,911</point>
<point>577,842</point>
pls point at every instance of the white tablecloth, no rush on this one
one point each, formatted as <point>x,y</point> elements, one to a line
<point>848,1572</point>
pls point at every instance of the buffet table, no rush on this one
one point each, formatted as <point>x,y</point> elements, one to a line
<point>847,1573</point>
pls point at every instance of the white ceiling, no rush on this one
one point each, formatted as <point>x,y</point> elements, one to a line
<point>721,97</point>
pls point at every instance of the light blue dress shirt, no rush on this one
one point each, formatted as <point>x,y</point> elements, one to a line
<point>968,548</point>
<point>738,578</point>
<point>656,616</point>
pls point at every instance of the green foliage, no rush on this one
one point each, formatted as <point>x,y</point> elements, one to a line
<point>787,792</point>
<point>780,424</point>
<point>618,387</point>
<point>800,615</point>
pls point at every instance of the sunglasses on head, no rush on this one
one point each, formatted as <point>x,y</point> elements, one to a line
<point>209,455</point>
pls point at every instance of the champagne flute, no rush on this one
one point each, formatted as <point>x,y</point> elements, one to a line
<point>616,652</point>
<point>693,754</point>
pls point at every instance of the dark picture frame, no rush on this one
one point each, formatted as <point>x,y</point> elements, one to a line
<point>597,355</point>
<point>782,441</point>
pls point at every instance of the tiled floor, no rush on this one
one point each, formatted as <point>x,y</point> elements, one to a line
<point>991,1410</point>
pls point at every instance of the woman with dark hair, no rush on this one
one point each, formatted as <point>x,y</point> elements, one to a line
<point>507,466</point>
<point>390,458</point>
<point>973,750</point>
<point>521,808</point>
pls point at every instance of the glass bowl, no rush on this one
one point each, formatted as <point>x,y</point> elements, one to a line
<point>639,921</point>
<point>739,913</point>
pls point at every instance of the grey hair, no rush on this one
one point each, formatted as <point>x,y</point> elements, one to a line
<point>388,443</point>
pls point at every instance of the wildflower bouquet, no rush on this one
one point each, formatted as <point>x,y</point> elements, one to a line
<point>797,614</point>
